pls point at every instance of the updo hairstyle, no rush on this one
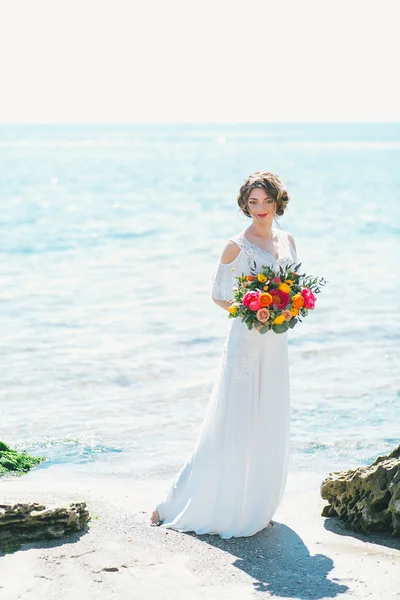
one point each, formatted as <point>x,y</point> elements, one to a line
<point>272,185</point>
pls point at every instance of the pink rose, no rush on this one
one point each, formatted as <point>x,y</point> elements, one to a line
<point>287,314</point>
<point>307,292</point>
<point>308,303</point>
<point>255,305</point>
<point>277,279</point>
<point>250,300</point>
<point>263,315</point>
<point>309,298</point>
<point>249,297</point>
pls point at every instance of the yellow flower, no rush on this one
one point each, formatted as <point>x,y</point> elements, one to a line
<point>279,320</point>
<point>294,311</point>
<point>232,310</point>
<point>232,268</point>
<point>261,278</point>
<point>284,287</point>
<point>265,288</point>
<point>289,281</point>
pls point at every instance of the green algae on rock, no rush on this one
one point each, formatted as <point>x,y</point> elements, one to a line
<point>366,499</point>
<point>16,462</point>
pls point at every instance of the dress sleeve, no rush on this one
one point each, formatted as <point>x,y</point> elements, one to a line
<point>293,251</point>
<point>223,279</point>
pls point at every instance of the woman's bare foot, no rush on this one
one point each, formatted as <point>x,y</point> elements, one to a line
<point>155,518</point>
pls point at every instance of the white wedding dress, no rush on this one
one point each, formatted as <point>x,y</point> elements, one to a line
<point>234,479</point>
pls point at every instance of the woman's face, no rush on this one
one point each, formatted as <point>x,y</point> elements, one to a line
<point>261,207</point>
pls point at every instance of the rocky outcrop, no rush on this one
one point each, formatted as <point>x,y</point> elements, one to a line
<point>366,499</point>
<point>12,460</point>
<point>33,521</point>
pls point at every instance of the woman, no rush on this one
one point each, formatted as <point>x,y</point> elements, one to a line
<point>234,479</point>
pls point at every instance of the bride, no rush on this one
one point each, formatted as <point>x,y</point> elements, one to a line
<point>234,479</point>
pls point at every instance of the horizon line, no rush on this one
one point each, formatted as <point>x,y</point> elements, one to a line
<point>292,122</point>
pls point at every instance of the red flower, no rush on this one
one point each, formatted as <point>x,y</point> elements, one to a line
<point>281,299</point>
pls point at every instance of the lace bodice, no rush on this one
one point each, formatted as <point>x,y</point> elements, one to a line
<point>223,277</point>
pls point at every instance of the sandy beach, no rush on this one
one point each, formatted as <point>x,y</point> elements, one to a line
<point>302,556</point>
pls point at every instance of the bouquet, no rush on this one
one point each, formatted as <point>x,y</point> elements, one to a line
<point>274,300</point>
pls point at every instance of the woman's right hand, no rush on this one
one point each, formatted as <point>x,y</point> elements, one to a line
<point>225,304</point>
<point>257,325</point>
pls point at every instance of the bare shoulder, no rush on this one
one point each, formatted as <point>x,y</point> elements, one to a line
<point>230,252</point>
<point>291,239</point>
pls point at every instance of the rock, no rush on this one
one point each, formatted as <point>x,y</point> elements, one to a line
<point>366,499</point>
<point>33,521</point>
<point>19,462</point>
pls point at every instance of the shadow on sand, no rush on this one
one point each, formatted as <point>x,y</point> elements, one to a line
<point>335,525</point>
<point>280,563</point>
<point>10,546</point>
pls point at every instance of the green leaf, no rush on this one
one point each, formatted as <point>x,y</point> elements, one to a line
<point>282,328</point>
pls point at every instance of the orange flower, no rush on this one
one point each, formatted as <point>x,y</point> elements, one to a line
<point>297,301</point>
<point>250,278</point>
<point>265,299</point>
<point>294,311</point>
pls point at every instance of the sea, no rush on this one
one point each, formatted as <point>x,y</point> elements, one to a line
<point>110,340</point>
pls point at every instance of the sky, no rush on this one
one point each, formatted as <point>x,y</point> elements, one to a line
<point>205,61</point>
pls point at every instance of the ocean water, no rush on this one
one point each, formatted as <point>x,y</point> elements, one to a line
<point>109,337</point>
